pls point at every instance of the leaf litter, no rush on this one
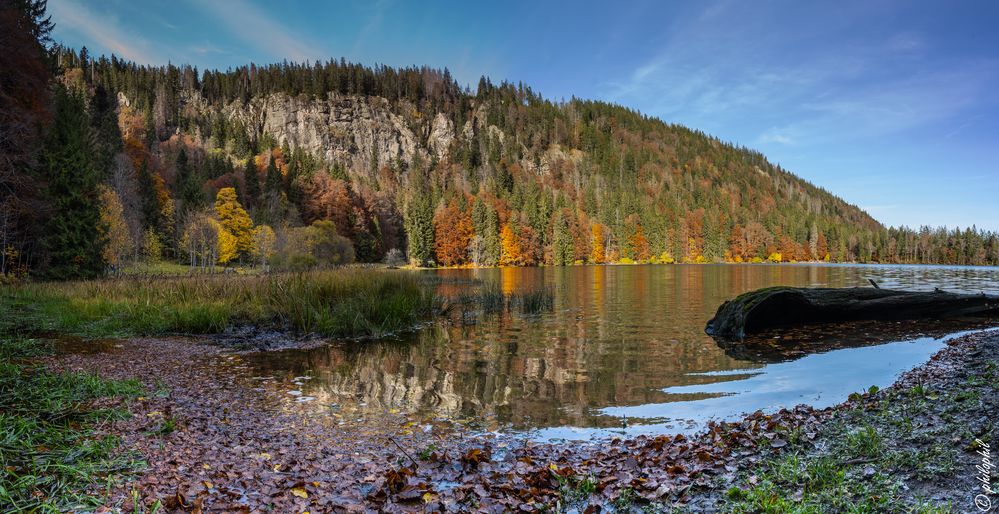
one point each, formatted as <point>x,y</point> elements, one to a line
<point>242,444</point>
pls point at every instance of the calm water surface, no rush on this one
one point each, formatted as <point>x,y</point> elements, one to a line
<point>623,351</point>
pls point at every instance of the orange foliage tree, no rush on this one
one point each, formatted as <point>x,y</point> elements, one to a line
<point>327,198</point>
<point>597,249</point>
<point>638,244</point>
<point>453,233</point>
<point>511,253</point>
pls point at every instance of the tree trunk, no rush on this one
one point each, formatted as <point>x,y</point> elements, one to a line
<point>775,307</point>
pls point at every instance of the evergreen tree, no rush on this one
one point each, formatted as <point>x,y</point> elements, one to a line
<point>420,228</point>
<point>73,240</point>
<point>272,184</point>
<point>562,244</point>
<point>148,198</point>
<point>485,220</point>
<point>107,135</point>
<point>479,213</point>
<point>252,183</point>
<point>189,190</point>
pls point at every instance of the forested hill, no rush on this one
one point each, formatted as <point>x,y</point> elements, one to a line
<point>407,159</point>
<point>298,165</point>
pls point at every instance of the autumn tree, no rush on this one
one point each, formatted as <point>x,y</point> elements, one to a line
<point>228,243</point>
<point>531,245</point>
<point>637,246</point>
<point>453,233</point>
<point>511,255</point>
<point>200,239</point>
<point>327,247</point>
<point>328,198</point>
<point>234,220</point>
<point>118,239</point>
<point>597,246</point>
<point>264,245</point>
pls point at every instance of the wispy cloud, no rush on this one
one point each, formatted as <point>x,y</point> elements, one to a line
<point>728,68</point>
<point>260,30</point>
<point>208,48</point>
<point>373,24</point>
<point>104,30</point>
<point>775,136</point>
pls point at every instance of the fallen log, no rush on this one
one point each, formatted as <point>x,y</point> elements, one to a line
<point>776,307</point>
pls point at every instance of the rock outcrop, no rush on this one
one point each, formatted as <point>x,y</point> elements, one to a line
<point>349,129</point>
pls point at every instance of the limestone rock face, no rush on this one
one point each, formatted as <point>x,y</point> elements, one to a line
<point>441,136</point>
<point>349,129</point>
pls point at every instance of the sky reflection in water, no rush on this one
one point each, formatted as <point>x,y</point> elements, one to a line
<point>620,342</point>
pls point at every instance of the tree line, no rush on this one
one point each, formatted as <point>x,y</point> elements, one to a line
<point>107,162</point>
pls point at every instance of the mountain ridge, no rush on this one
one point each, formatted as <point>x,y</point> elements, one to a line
<point>406,161</point>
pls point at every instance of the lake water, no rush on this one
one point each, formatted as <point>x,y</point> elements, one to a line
<point>622,351</point>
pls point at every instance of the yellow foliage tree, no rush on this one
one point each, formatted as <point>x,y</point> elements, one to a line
<point>264,244</point>
<point>234,220</point>
<point>118,241</point>
<point>598,251</point>
<point>228,245</point>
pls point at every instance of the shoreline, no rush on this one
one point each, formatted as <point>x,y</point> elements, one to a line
<point>255,446</point>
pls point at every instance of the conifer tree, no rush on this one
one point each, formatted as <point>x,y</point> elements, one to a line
<point>73,239</point>
<point>147,197</point>
<point>252,183</point>
<point>189,190</point>
<point>272,183</point>
<point>420,227</point>
<point>491,235</point>
<point>562,244</point>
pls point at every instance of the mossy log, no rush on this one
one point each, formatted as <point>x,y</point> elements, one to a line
<point>776,307</point>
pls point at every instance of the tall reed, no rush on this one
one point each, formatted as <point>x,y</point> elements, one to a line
<point>348,302</point>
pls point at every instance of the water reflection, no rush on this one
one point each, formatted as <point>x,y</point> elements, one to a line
<point>623,341</point>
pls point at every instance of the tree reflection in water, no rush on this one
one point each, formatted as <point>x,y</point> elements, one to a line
<point>617,338</point>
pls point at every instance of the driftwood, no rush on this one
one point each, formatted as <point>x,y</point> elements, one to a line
<point>776,307</point>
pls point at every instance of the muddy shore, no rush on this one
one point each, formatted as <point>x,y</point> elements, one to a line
<point>215,438</point>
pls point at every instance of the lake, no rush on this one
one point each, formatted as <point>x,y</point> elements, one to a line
<point>621,352</point>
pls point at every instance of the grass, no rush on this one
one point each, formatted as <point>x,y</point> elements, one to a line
<point>870,453</point>
<point>50,459</point>
<point>491,300</point>
<point>347,303</point>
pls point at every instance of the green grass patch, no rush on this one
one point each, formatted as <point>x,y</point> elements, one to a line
<point>50,459</point>
<point>869,457</point>
<point>349,302</point>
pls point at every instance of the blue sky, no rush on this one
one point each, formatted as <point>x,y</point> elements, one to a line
<point>893,106</point>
